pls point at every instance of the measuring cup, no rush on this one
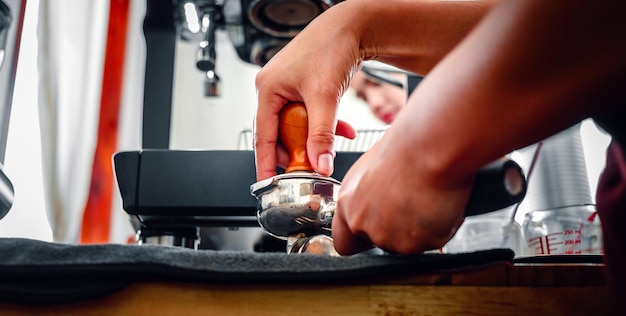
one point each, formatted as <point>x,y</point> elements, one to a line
<point>573,230</point>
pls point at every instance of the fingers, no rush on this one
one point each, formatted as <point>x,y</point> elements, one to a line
<point>349,238</point>
<point>345,129</point>
<point>264,160</point>
<point>321,112</point>
<point>374,208</point>
<point>266,137</point>
<point>282,157</point>
<point>346,242</point>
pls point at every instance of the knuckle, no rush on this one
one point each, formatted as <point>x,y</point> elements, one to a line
<point>327,91</point>
<point>259,142</point>
<point>260,78</point>
<point>322,135</point>
<point>381,240</point>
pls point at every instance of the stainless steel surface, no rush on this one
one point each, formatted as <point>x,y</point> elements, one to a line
<point>7,194</point>
<point>260,28</point>
<point>11,19</point>
<point>172,241</point>
<point>318,245</point>
<point>296,203</point>
<point>5,25</point>
<point>202,18</point>
<point>560,174</point>
<point>185,238</point>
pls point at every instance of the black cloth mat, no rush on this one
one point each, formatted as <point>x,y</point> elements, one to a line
<point>38,272</point>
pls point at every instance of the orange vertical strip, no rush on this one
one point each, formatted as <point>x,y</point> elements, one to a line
<point>96,223</point>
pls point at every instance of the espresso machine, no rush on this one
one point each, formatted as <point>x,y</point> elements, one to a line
<point>172,195</point>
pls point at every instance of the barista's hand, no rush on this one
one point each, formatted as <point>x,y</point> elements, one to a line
<point>388,199</point>
<point>314,68</point>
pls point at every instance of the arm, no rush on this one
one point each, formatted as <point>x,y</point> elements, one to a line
<point>528,70</point>
<point>316,66</point>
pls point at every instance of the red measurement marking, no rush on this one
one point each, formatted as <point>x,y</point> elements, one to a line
<point>536,242</point>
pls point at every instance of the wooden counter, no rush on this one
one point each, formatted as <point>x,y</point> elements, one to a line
<point>499,289</point>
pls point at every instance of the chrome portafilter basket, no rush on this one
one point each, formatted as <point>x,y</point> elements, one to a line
<point>298,207</point>
<point>294,203</point>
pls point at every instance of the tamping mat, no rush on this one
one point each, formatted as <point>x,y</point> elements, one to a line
<point>38,272</point>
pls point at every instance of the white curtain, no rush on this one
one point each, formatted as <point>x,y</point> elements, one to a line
<point>72,38</point>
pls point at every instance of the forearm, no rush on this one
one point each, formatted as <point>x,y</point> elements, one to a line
<point>415,35</point>
<point>530,69</point>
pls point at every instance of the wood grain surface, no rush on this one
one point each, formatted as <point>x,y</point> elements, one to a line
<point>501,289</point>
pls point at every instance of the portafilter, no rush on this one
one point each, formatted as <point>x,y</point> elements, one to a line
<point>299,205</point>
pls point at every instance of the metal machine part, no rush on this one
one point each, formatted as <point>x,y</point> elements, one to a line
<point>296,202</point>
<point>11,20</point>
<point>298,207</point>
<point>166,22</point>
<point>199,21</point>
<point>5,25</point>
<point>318,244</point>
<point>185,237</point>
<point>258,29</point>
<point>285,18</point>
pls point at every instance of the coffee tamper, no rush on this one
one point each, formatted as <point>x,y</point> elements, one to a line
<point>299,204</point>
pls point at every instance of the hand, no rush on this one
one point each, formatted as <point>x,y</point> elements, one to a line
<point>316,76</point>
<point>388,200</point>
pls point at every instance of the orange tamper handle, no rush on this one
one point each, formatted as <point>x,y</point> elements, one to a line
<point>293,129</point>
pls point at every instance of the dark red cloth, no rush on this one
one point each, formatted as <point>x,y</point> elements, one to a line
<point>611,206</point>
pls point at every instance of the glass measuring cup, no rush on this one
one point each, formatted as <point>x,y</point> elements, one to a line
<point>573,230</point>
